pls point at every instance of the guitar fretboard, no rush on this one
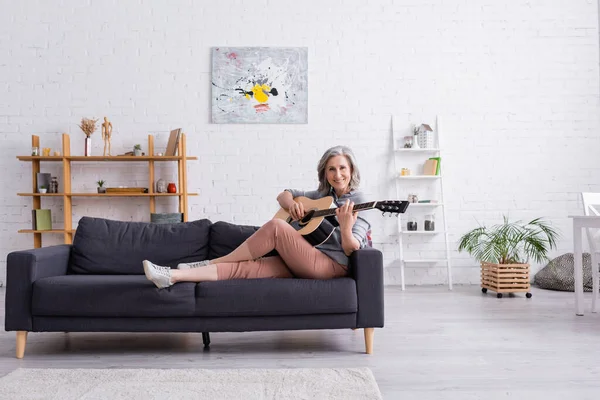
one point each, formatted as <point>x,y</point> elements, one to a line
<point>357,207</point>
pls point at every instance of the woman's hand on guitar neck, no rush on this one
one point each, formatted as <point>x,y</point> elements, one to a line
<point>345,216</point>
<point>296,211</point>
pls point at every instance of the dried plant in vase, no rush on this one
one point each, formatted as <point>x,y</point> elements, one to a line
<point>88,126</point>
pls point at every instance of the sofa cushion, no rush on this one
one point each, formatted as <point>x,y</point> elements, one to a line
<point>103,246</point>
<point>274,296</point>
<point>225,237</point>
<point>110,296</point>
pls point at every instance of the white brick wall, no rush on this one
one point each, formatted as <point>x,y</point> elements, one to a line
<point>516,83</point>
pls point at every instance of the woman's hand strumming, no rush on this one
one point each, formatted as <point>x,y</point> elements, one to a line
<point>296,211</point>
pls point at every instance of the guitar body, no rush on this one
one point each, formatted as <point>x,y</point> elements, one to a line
<point>315,230</point>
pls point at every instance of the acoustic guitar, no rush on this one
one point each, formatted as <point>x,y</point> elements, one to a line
<point>319,222</point>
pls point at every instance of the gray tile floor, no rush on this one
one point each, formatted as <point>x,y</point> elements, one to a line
<point>436,345</point>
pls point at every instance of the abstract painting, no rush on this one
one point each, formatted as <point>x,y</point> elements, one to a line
<point>263,85</point>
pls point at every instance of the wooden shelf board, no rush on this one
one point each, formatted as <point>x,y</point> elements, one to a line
<point>102,158</point>
<point>41,194</point>
<point>127,158</point>
<point>108,194</point>
<point>40,158</point>
<point>45,231</point>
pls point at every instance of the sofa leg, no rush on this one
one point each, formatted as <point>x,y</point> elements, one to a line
<point>369,332</point>
<point>21,341</point>
<point>206,339</point>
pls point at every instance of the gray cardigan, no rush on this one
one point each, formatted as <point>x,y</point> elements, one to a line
<point>333,248</point>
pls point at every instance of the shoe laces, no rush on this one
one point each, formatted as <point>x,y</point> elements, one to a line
<point>198,264</point>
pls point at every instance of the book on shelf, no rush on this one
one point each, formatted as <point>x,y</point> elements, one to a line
<point>430,167</point>
<point>427,201</point>
<point>438,164</point>
<point>41,220</point>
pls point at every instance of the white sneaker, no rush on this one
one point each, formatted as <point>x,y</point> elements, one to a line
<point>160,276</point>
<point>193,264</point>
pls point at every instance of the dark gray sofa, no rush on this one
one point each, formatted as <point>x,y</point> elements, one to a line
<point>97,284</point>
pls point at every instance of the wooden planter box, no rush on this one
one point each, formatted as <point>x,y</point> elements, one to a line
<point>505,278</point>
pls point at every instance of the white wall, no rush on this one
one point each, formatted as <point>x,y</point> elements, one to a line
<point>515,82</point>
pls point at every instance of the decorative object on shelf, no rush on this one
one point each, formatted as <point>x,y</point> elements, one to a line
<point>137,150</point>
<point>408,142</point>
<point>53,185</point>
<point>415,142</point>
<point>424,136</point>
<point>106,134</point>
<point>46,151</point>
<point>504,251</point>
<point>56,153</point>
<point>41,220</point>
<point>260,85</point>
<point>411,225</point>
<point>173,142</point>
<point>405,172</point>
<point>159,154</point>
<point>412,198</point>
<point>166,218</point>
<point>43,189</point>
<point>101,188</point>
<point>43,180</point>
<point>171,188</point>
<point>35,151</point>
<point>88,126</point>
<point>161,186</point>
<point>429,222</point>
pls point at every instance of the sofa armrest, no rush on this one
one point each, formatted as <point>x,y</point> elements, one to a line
<point>366,267</point>
<point>22,269</point>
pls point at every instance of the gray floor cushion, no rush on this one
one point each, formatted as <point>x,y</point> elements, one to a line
<point>558,274</point>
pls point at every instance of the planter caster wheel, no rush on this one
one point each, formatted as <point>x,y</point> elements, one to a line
<point>483,290</point>
<point>206,340</point>
<point>528,295</point>
<point>499,295</point>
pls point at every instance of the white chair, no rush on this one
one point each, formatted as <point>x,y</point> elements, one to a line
<point>591,206</point>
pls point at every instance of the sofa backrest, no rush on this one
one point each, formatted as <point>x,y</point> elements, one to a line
<point>103,246</point>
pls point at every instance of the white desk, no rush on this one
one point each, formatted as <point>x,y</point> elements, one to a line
<point>580,222</point>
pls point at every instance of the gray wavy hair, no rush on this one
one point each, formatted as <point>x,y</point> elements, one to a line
<point>324,186</point>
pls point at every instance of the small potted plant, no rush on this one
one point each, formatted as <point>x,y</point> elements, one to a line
<point>137,150</point>
<point>504,251</point>
<point>43,189</point>
<point>101,188</point>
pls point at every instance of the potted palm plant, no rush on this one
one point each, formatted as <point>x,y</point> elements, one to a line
<point>504,251</point>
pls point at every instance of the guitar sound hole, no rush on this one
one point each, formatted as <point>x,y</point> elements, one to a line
<point>307,217</point>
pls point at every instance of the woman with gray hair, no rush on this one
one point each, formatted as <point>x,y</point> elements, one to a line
<point>339,177</point>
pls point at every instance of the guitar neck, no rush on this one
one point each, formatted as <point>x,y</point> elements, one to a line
<point>357,207</point>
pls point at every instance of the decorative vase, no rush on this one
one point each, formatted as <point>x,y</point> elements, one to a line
<point>88,146</point>
<point>171,188</point>
<point>415,143</point>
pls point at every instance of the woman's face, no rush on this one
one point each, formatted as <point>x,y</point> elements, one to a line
<point>338,173</point>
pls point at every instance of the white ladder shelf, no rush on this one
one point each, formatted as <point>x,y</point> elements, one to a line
<point>422,180</point>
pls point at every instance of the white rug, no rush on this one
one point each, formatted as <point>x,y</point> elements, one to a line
<point>302,383</point>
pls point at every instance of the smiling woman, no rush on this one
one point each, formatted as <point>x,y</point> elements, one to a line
<point>339,178</point>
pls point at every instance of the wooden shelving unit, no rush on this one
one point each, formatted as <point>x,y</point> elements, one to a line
<point>66,159</point>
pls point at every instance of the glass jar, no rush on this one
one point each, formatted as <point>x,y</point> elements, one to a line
<point>411,225</point>
<point>429,222</point>
<point>35,151</point>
